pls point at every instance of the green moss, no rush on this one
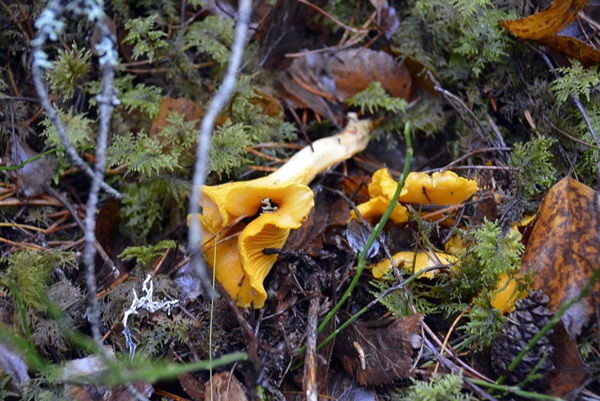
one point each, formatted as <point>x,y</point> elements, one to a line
<point>69,71</point>
<point>575,80</point>
<point>145,40</point>
<point>536,168</point>
<point>29,270</point>
<point>145,254</point>
<point>447,387</point>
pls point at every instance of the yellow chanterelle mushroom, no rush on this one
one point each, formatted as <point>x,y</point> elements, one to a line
<point>276,203</point>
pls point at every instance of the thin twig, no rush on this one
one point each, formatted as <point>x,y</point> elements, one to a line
<point>106,101</point>
<point>331,17</point>
<point>206,128</point>
<point>81,225</point>
<point>39,62</point>
<point>310,361</point>
<point>466,156</point>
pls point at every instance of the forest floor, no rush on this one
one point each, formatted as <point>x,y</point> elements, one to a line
<point>299,200</point>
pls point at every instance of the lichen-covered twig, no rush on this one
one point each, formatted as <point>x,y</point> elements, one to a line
<point>49,27</point>
<point>206,128</point>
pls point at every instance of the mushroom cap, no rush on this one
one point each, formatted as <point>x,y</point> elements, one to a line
<point>241,266</point>
<point>422,260</point>
<point>445,188</point>
<point>374,208</point>
<point>506,294</point>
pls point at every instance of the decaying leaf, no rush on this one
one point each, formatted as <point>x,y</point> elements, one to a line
<point>323,82</point>
<point>327,217</point>
<point>573,48</point>
<point>547,22</point>
<point>563,250</point>
<point>192,385</point>
<point>34,175</point>
<point>225,387</point>
<point>189,109</point>
<point>546,26</point>
<point>380,353</point>
<point>354,69</point>
<point>571,374</point>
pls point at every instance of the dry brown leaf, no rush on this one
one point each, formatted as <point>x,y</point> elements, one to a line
<point>192,385</point>
<point>380,354</point>
<point>189,109</point>
<point>547,22</point>
<point>32,177</point>
<point>225,387</point>
<point>322,82</point>
<point>563,250</point>
<point>354,69</point>
<point>570,373</point>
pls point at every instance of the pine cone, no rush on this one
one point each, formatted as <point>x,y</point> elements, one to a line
<point>530,316</point>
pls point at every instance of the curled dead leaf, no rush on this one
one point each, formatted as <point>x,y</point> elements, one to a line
<point>573,48</point>
<point>547,22</point>
<point>546,26</point>
<point>563,250</point>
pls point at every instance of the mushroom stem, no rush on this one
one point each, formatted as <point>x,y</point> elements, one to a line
<point>304,166</point>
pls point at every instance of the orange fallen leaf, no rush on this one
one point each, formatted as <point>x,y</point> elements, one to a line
<point>544,27</point>
<point>563,250</point>
<point>547,22</point>
<point>573,48</point>
<point>189,109</point>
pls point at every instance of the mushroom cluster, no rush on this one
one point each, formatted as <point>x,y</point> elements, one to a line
<point>445,188</point>
<point>442,189</point>
<point>241,219</point>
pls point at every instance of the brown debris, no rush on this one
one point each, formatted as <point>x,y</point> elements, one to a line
<point>380,354</point>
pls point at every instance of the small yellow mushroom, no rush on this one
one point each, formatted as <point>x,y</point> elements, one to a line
<point>422,260</point>
<point>445,188</point>
<point>507,294</point>
<point>276,204</point>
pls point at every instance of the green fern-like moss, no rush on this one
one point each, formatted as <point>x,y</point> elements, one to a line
<point>30,271</point>
<point>447,387</point>
<point>145,40</point>
<point>69,71</point>
<point>576,80</point>
<point>536,171</point>
<point>145,254</point>
<point>374,97</point>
